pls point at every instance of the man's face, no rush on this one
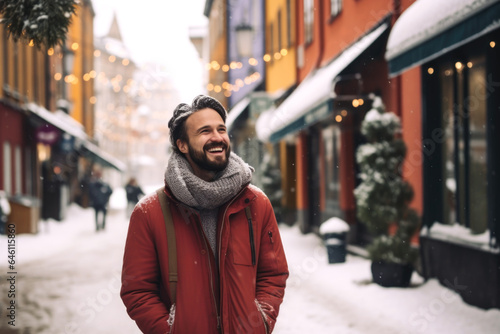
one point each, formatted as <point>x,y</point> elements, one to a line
<point>208,148</point>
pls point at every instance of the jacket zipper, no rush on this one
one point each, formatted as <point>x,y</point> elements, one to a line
<point>252,243</point>
<point>220,239</point>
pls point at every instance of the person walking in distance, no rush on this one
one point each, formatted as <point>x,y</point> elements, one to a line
<point>134,193</point>
<point>231,265</point>
<point>99,192</point>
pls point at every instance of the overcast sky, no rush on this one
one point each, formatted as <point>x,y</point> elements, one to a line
<point>157,30</point>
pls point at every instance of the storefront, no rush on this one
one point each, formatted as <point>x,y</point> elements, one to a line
<point>321,120</point>
<point>457,51</point>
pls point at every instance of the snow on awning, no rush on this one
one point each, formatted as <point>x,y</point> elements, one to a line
<point>312,99</point>
<point>431,28</point>
<point>67,124</point>
<point>95,153</point>
<point>62,121</point>
<point>235,112</point>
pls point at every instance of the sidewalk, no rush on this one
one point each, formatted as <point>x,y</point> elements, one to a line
<point>69,279</point>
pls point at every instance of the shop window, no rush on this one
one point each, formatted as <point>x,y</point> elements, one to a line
<point>29,171</point>
<point>18,170</point>
<point>464,167</point>
<point>7,168</point>
<point>331,147</point>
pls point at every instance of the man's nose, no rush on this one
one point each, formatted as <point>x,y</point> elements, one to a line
<point>217,137</point>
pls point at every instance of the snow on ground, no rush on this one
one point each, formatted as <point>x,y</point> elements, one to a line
<point>68,281</point>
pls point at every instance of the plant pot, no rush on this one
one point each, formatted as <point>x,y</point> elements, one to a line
<point>391,274</point>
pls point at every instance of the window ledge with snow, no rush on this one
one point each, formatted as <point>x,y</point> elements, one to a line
<point>460,235</point>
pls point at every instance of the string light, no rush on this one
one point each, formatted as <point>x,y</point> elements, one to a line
<point>214,65</point>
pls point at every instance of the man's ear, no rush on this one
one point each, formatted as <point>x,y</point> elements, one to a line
<point>182,146</point>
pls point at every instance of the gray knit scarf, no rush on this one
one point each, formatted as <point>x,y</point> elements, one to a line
<point>207,197</point>
<point>199,194</point>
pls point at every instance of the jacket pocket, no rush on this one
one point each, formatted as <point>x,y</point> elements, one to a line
<point>263,316</point>
<point>241,241</point>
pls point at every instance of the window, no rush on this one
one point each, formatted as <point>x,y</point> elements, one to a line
<point>331,147</point>
<point>29,172</point>
<point>463,104</point>
<point>18,170</point>
<point>335,7</point>
<point>288,24</point>
<point>7,168</point>
<point>280,32</point>
<point>308,20</point>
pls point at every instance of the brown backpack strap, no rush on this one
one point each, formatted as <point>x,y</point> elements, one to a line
<point>172,249</point>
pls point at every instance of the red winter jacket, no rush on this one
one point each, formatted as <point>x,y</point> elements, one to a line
<point>243,298</point>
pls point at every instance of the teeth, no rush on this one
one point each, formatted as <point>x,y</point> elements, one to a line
<point>218,149</point>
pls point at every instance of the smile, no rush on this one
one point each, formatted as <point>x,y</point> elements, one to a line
<point>216,150</point>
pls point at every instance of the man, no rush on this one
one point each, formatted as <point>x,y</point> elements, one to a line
<point>227,281</point>
<point>99,192</point>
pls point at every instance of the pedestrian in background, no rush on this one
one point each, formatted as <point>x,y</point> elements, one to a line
<point>231,266</point>
<point>99,192</point>
<point>134,193</point>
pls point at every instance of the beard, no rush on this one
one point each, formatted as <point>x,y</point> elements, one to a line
<point>200,158</point>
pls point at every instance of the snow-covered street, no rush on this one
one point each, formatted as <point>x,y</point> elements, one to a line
<point>68,281</point>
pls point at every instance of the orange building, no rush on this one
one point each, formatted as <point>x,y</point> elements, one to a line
<point>340,65</point>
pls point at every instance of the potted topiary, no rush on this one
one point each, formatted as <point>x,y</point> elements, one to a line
<point>383,197</point>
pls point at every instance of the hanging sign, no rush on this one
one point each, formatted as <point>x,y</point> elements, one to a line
<point>47,134</point>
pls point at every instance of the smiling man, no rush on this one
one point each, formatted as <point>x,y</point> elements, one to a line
<point>231,265</point>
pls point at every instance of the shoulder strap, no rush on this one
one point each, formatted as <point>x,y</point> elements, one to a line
<point>172,249</point>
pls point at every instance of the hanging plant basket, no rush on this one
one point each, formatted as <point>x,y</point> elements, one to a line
<point>391,274</point>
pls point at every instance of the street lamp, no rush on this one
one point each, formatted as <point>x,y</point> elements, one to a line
<point>244,40</point>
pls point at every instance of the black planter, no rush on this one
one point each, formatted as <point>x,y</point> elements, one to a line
<point>336,247</point>
<point>391,274</point>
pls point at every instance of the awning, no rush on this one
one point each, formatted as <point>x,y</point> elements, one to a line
<point>93,152</point>
<point>62,121</point>
<point>311,101</point>
<point>67,124</point>
<point>236,112</point>
<point>431,28</point>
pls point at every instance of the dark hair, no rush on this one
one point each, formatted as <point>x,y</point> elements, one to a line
<point>183,111</point>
